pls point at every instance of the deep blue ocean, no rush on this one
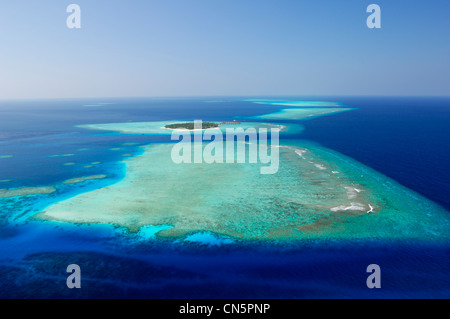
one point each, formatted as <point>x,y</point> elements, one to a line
<point>404,138</point>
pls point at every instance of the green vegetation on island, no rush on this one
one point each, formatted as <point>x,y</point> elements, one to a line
<point>190,125</point>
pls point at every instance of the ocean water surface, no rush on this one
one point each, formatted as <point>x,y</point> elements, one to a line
<point>42,145</point>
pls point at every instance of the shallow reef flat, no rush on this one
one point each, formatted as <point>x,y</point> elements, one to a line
<point>83,179</point>
<point>299,110</point>
<point>5,193</point>
<point>316,193</point>
<point>296,103</point>
<point>302,113</point>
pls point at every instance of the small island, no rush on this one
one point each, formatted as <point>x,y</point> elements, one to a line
<point>190,125</point>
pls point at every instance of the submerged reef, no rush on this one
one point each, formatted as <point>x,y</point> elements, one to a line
<point>5,193</point>
<point>316,193</point>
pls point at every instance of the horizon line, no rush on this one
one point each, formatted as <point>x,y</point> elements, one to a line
<point>225,96</point>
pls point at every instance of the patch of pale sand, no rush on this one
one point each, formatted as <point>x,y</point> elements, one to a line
<point>82,179</point>
<point>352,206</point>
<point>69,164</point>
<point>301,152</point>
<point>62,155</point>
<point>5,193</point>
<point>320,166</point>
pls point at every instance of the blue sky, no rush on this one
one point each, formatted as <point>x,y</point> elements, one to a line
<point>223,48</point>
